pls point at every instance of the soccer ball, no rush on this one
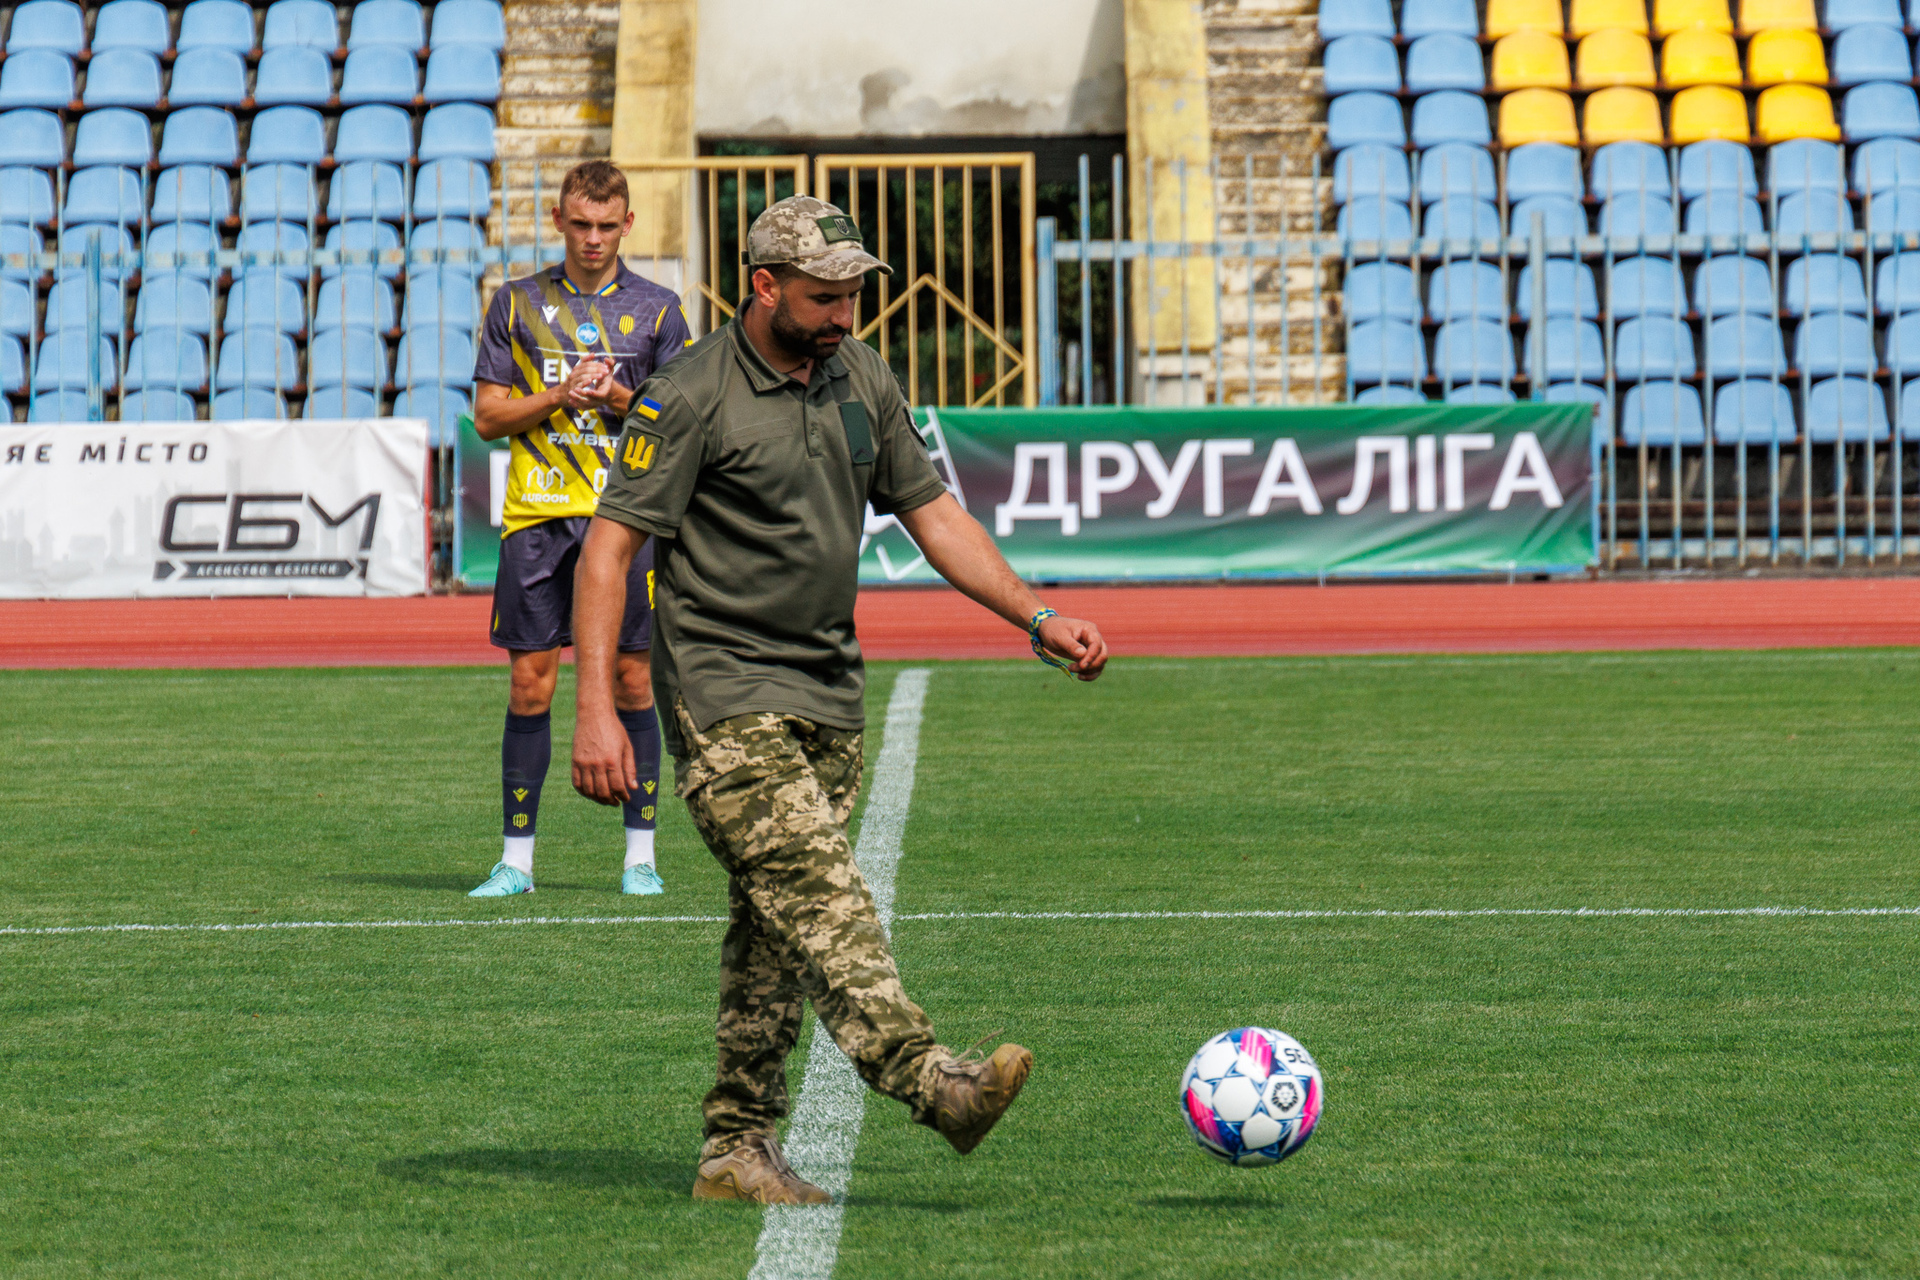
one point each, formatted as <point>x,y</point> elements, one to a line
<point>1252,1096</point>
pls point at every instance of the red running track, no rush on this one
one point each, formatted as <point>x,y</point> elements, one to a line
<point>1182,620</point>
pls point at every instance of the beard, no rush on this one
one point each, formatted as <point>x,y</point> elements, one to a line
<point>803,343</point>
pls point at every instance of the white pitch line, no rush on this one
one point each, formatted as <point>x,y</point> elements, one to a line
<point>359,924</point>
<point>803,1243</point>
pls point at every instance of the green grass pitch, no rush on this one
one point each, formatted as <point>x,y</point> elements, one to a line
<point>1507,1096</point>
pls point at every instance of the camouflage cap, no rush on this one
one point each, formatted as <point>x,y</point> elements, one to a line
<point>813,236</point>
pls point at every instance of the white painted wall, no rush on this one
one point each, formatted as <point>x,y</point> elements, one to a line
<point>909,68</point>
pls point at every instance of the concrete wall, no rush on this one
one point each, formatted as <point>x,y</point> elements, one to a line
<point>910,68</point>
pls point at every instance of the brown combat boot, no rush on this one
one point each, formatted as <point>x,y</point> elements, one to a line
<point>755,1170</point>
<point>971,1096</point>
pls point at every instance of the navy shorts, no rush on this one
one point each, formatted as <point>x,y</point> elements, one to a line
<point>533,594</point>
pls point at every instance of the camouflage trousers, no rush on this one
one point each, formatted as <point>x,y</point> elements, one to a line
<point>771,794</point>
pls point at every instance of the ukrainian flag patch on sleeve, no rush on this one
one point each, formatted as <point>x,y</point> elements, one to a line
<point>648,408</point>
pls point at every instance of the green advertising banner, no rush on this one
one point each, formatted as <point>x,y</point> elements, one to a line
<point>476,536</point>
<point>1228,492</point>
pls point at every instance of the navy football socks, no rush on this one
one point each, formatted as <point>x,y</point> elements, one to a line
<point>643,731</point>
<point>526,749</point>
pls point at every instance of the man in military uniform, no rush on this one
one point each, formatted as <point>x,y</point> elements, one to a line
<point>752,460</point>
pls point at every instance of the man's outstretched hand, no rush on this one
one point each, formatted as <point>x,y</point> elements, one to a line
<point>603,760</point>
<point>1079,643</point>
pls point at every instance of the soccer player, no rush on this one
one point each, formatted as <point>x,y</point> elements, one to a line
<point>559,359</point>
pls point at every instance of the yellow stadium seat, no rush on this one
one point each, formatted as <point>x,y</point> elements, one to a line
<point>1537,115</point>
<point>1771,15</point>
<point>1795,111</point>
<point>1616,57</point>
<point>1784,56</point>
<point>1531,60</point>
<point>1709,111</point>
<point>1623,115</point>
<point>1670,16</point>
<point>1504,17</point>
<point>1699,56</point>
<point>1590,16</point>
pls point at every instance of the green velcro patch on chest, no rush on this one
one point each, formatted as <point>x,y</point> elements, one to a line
<point>639,450</point>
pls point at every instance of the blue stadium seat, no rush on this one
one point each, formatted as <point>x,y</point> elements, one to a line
<point>275,238</point>
<point>475,22</point>
<point>395,22</point>
<point>1373,220</point>
<point>26,195</point>
<point>166,357</point>
<point>1373,291</point>
<point>1727,285</point>
<point>1896,284</point>
<point>192,193</point>
<point>1831,342</point>
<point>1804,164</point>
<point>1559,216</point>
<point>1478,393</point>
<point>1753,411</point>
<point>33,137</point>
<point>443,237</point>
<point>17,308</point>
<point>293,76</point>
<point>123,78</point>
<point>1386,394</point>
<point>1472,351</point>
<point>1653,347</point>
<point>375,133</point>
<point>1451,116</point>
<point>1723,214</point>
<point>1745,345</point>
<point>1356,18</point>
<point>132,24</point>
<point>1445,61</point>
<point>289,135</point>
<point>256,358</point>
<point>1385,351</point>
<point>434,354</point>
<point>1824,282</point>
<point>1585,393</point>
<point>216,24</point>
<point>365,189</point>
<point>1867,53</point>
<point>1570,290</point>
<point>352,357</point>
<point>266,298</point>
<point>440,406</point>
<point>1368,171</point>
<point>1574,349</point>
<point>182,240</point>
<point>1428,17</point>
<point>452,189</point>
<point>277,193</point>
<point>114,135</point>
<point>36,78</point>
<point>48,24</point>
<point>173,299</point>
<point>1461,219</point>
<point>1352,120</point>
<point>1644,287</point>
<point>200,135</point>
<point>1663,414</point>
<point>1849,409</point>
<point>355,298</point>
<point>208,77</point>
<point>466,73</point>
<point>1717,167</point>
<point>1352,64</point>
<point>301,24</point>
<point>1544,169</point>
<point>1636,215</point>
<point>341,402</point>
<point>59,406</point>
<point>16,240</point>
<point>449,297</point>
<point>1886,164</point>
<point>1626,168</point>
<point>1464,290</point>
<point>379,237</point>
<point>116,245</point>
<point>1896,210</point>
<point>1881,110</point>
<point>106,194</point>
<point>1454,169</point>
<point>459,131</point>
<point>13,365</point>
<point>1910,411</point>
<point>157,406</point>
<point>380,73</point>
<point>1811,212</point>
<point>1903,345</point>
<point>1842,14</point>
<point>242,403</point>
<point>67,303</point>
<point>61,363</point>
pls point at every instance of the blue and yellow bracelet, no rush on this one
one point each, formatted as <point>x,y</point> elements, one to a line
<point>1040,650</point>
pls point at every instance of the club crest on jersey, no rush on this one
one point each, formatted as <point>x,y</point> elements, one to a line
<point>587,334</point>
<point>626,324</point>
<point>638,452</point>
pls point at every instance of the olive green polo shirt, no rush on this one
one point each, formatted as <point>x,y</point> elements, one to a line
<point>748,479</point>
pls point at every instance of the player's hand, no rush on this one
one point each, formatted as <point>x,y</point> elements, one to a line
<point>585,387</point>
<point>603,769</point>
<point>1080,643</point>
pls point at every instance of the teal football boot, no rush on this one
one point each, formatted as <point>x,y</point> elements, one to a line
<point>641,879</point>
<point>505,881</point>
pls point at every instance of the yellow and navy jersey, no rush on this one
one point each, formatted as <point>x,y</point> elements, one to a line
<point>537,330</point>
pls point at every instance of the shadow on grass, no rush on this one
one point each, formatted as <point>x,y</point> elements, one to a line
<point>452,884</point>
<point>603,1167</point>
<point>921,1206</point>
<point>1222,1201</point>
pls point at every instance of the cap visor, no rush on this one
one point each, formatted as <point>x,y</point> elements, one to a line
<point>843,264</point>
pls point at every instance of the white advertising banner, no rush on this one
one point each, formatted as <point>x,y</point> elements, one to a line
<point>259,508</point>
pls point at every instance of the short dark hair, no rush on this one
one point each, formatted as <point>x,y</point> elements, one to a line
<point>595,180</point>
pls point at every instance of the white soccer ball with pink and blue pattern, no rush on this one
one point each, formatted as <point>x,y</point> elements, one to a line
<point>1252,1096</point>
